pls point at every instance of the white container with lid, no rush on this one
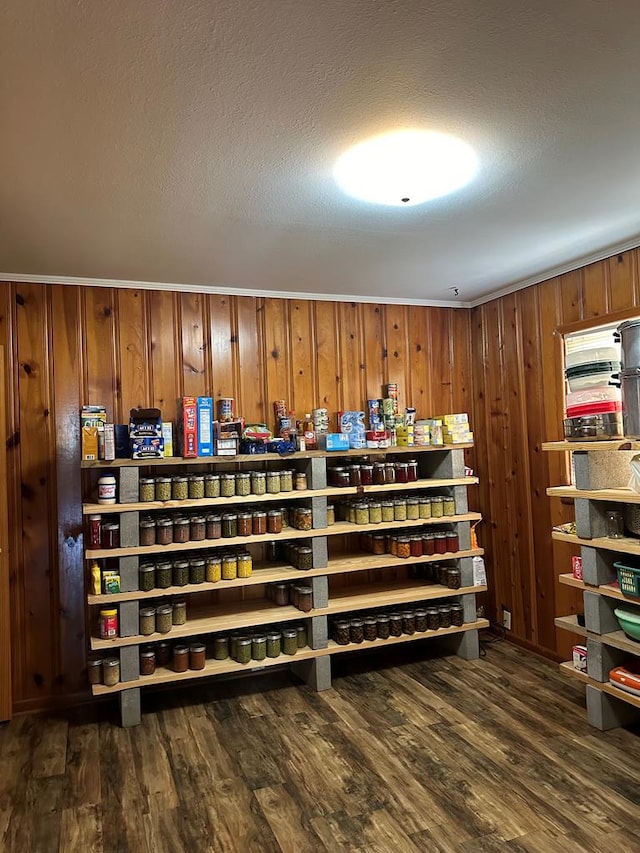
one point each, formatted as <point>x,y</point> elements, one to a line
<point>107,490</point>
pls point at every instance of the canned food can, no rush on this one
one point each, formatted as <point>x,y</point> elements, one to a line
<point>225,409</point>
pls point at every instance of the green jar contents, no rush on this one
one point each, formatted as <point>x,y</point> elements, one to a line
<point>361,514</point>
<point>111,671</point>
<point>197,659</point>
<point>147,490</point>
<point>258,483</point>
<point>413,509</point>
<point>147,577</point>
<point>273,644</point>
<point>273,482</point>
<point>457,615</point>
<point>179,488</point>
<point>147,661</point>
<point>179,612</point>
<point>437,506</point>
<point>387,510</point>
<point>229,567</point>
<point>197,528</point>
<point>399,510</point>
<point>213,568</point>
<point>259,646</point>
<point>243,484</point>
<point>163,488</point>
<point>301,636</point>
<point>180,573</point>
<point>164,618</point>
<point>449,506</point>
<point>424,507</point>
<point>163,574</point>
<point>196,487</point>
<point>233,644</point>
<point>220,648</point>
<point>164,531</point>
<point>147,620</point>
<point>197,570</point>
<point>212,485</point>
<point>227,485</point>
<point>289,641</point>
<point>375,512</point>
<point>243,649</point>
<point>180,658</point>
<point>229,525</point>
<point>286,481</point>
<point>305,558</point>
<point>245,564</point>
<point>181,530</point>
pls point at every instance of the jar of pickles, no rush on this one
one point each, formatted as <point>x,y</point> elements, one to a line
<point>258,483</point>
<point>163,488</point>
<point>243,484</point>
<point>196,487</point>
<point>400,509</point>
<point>213,568</point>
<point>273,482</point>
<point>304,558</point>
<point>387,510</point>
<point>147,620</point>
<point>243,650</point>
<point>164,618</point>
<point>212,485</point>
<point>227,485</point>
<point>179,488</point>
<point>437,506</point>
<point>449,505</point>
<point>286,480</point>
<point>197,570</point>
<point>301,636</point>
<point>424,507</point>
<point>375,512</point>
<point>179,612</point>
<point>361,513</point>
<point>111,671</point>
<point>180,571</point>
<point>413,509</point>
<point>300,481</point>
<point>289,641</point>
<point>147,490</point>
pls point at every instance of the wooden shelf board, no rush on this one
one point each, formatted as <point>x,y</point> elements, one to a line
<point>339,529</point>
<point>615,639</point>
<point>163,675</point>
<point>570,623</point>
<point>347,599</point>
<point>613,444</point>
<point>627,545</point>
<point>255,458</point>
<point>219,617</point>
<point>606,589</point>
<point>626,496</point>
<point>332,491</point>
<point>567,669</point>
<point>270,573</point>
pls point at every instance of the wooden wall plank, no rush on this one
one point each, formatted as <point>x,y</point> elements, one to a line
<point>303,365</point>
<point>351,357</point>
<point>326,331</point>
<point>440,361</point>
<point>99,345</point>
<point>595,291</point>
<point>250,388</point>
<point>419,378</point>
<point>276,358</point>
<point>6,701</point>
<point>377,358</point>
<point>623,277</point>
<point>133,357</point>
<point>396,344</point>
<point>220,334</point>
<point>165,331</point>
<point>195,382</point>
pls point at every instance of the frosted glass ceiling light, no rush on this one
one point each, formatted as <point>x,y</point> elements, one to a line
<point>405,168</point>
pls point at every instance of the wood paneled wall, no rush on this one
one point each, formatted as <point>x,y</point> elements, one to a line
<point>518,404</point>
<point>71,345</point>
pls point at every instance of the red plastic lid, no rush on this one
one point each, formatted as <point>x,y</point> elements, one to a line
<point>602,407</point>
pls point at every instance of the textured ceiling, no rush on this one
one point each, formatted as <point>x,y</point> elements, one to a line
<point>193,142</point>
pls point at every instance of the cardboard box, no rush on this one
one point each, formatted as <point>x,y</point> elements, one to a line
<point>145,423</point>
<point>226,446</point>
<point>580,658</point>
<point>89,435</point>
<point>167,437</point>
<point>332,441</point>
<point>576,566</point>
<point>122,441</point>
<point>205,426</point>
<point>107,442</point>
<point>187,427</point>
<point>147,447</point>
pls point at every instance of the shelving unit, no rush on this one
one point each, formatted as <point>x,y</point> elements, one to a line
<point>439,468</point>
<point>607,646</point>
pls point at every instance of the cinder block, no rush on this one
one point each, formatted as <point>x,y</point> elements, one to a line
<point>130,707</point>
<point>316,672</point>
<point>601,659</point>
<point>320,552</point>
<point>466,645</point>
<point>320,591</point>
<point>129,529</point>
<point>319,512</point>
<point>466,571</point>
<point>129,485</point>
<point>460,497</point>
<point>316,471</point>
<point>591,520</point>
<point>129,578</point>
<point>608,469</point>
<point>597,566</point>
<point>606,712</point>
<point>464,535</point>
<point>468,603</point>
<point>128,621</point>
<point>129,663</point>
<point>318,632</point>
<point>599,617</point>
<point>442,464</point>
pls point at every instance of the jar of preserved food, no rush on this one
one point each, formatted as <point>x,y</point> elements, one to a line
<point>424,507</point>
<point>214,526</point>
<point>354,475</point>
<point>289,642</point>
<point>375,512</point>
<point>197,570</point>
<point>164,531</point>
<point>147,490</point>
<point>95,531</point>
<point>163,653</point>
<point>413,509</point>
<point>229,525</point>
<point>442,573</point>
<point>421,619</point>
<point>179,612</point>
<point>110,535</point>
<point>356,631</point>
<point>449,505</point>
<point>341,632</point>
<point>294,592</point>
<point>212,485</point>
<point>108,623</point>
<point>433,618</point>
<point>94,670</point>
<point>453,578</point>
<point>147,661</point>
<point>301,632</point>
<point>164,618</point>
<point>163,488</point>
<point>285,516</point>
<point>245,565</point>
<point>440,542</point>
<point>274,521</point>
<point>412,470</point>
<point>304,518</point>
<point>196,487</point>
<point>197,658</point>
<point>444,615</point>
<point>198,529</point>
<point>305,558</point>
<point>403,547</point>
<point>387,510</point>
<point>351,513</point>
<point>453,542</point>
<point>273,482</point>
<point>366,474</point>
<point>111,671</point>
<point>213,568</point>
<point>400,509</point>
<point>392,544</point>
<point>378,473</point>
<point>395,624</point>
<point>457,615</point>
<point>258,483</point>
<point>402,472</point>
<point>415,545</point>
<point>146,577</point>
<point>286,480</point>
<point>378,545</point>
<point>389,472</point>
<point>243,484</point>
<point>227,485</point>
<point>273,551</point>
<point>259,646</point>
<point>243,650</point>
<point>147,620</point>
<point>180,658</point>
<point>181,529</point>
<point>437,506</point>
<point>163,574</point>
<point>273,644</point>
<point>428,543</point>
<point>220,647</point>
<point>245,524</point>
<point>301,481</point>
<point>259,522</point>
<point>361,514</point>
<point>383,626</point>
<point>229,567</point>
<point>180,573</point>
<point>408,622</point>
<point>331,515</point>
<point>233,644</point>
<point>147,532</point>
<point>179,488</point>
<point>305,599</point>
<point>369,628</point>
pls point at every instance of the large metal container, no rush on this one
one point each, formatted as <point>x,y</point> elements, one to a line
<point>630,384</point>
<point>593,427</point>
<point>628,333</point>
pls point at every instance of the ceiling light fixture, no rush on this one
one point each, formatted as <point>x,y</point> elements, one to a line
<point>406,168</point>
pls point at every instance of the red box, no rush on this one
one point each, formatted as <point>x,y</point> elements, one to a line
<point>576,565</point>
<point>187,428</point>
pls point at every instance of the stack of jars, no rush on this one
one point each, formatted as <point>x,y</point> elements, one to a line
<point>401,508</point>
<point>227,484</point>
<point>356,628</point>
<point>409,543</point>
<point>373,473</point>
<point>298,595</point>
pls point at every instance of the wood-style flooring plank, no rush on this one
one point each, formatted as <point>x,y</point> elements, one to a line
<point>81,829</point>
<point>287,822</point>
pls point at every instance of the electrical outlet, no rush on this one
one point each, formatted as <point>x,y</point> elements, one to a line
<point>506,619</point>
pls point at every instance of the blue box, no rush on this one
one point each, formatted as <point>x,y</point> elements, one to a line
<point>205,426</point>
<point>147,447</point>
<point>335,441</point>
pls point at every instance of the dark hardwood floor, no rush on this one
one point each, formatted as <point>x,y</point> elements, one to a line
<point>403,754</point>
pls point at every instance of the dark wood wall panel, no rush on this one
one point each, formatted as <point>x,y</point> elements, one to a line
<point>69,345</point>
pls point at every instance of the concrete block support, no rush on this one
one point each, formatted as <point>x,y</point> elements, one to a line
<point>318,632</point>
<point>319,512</point>
<point>468,603</point>
<point>316,672</point>
<point>129,529</point>
<point>128,568</point>
<point>597,566</point>
<point>464,534</point>
<point>320,587</point>
<point>606,712</point>
<point>466,645</point>
<point>320,552</point>
<point>130,707</point>
<point>591,520</point>
<point>601,659</point>
<point>442,464</point>
<point>460,496</point>
<point>466,571</point>
<point>316,471</point>
<point>128,621</point>
<point>602,470</point>
<point>599,617</point>
<point>128,485</point>
<point>129,663</point>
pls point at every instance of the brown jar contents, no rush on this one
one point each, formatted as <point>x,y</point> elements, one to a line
<point>356,631</point>
<point>274,521</point>
<point>214,527</point>
<point>163,653</point>
<point>147,662</point>
<point>198,528</point>
<point>164,531</point>
<point>342,633</point>
<point>94,670</point>
<point>453,578</point>
<point>111,671</point>
<point>408,622</point>
<point>370,628</point>
<point>457,615</point>
<point>305,599</point>
<point>421,620</point>
<point>383,626</point>
<point>259,523</point>
<point>147,532</point>
<point>395,624</point>
<point>181,530</point>
<point>453,542</point>
<point>196,656</point>
<point>444,615</point>
<point>404,547</point>
<point>180,658</point>
<point>433,618</point>
<point>378,544</point>
<point>245,524</point>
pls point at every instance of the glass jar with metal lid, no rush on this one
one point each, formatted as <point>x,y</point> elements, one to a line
<point>258,483</point>
<point>259,522</point>
<point>387,510</point>
<point>453,577</point>
<point>361,513</point>
<point>300,481</point>
<point>370,628</point>
<point>415,545</point>
<point>243,484</point>
<point>428,543</point>
<point>289,642</point>
<point>147,532</point>
<point>303,518</point>
<point>163,653</point>
<point>433,618</point>
<point>164,531</point>
<point>448,505</point>
<point>212,485</point>
<point>111,671</point>
<point>408,622</point>
<point>181,529</point>
<point>356,630</point>
<point>227,485</point>
<point>305,599</point>
<point>421,619</point>
<point>213,568</point>
<point>403,547</point>
<point>259,646</point>
<point>273,482</point>
<point>382,626</point>
<point>437,506</point>
<point>229,567</point>
<point>341,632</point>
<point>402,472</point>
<point>179,488</point>
<point>147,490</point>
<point>331,515</point>
<point>180,571</point>
<point>229,525</point>
<point>220,647</point>
<point>424,507</point>
<point>197,570</point>
<point>444,615</point>
<point>180,658</point>
<point>301,636</point>
<point>274,521</point>
<point>366,474</point>
<point>147,620</point>
<point>163,574</point>
<point>214,526</point>
<point>457,615</point>
<point>245,564</point>
<point>440,542</point>
<point>164,618</point>
<point>305,558</point>
<point>245,524</point>
<point>243,650</point>
<point>110,535</point>
<point>196,487</point>
<point>412,470</point>
<point>280,592</point>
<point>273,644</point>
<point>179,614</point>
<point>375,512</point>
<point>198,528</point>
<point>379,473</point>
<point>146,577</point>
<point>453,541</point>
<point>389,472</point>
<point>147,660</point>
<point>163,488</point>
<point>286,480</point>
<point>413,509</point>
<point>399,509</point>
<point>354,475</point>
<point>197,656</point>
<point>395,624</point>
